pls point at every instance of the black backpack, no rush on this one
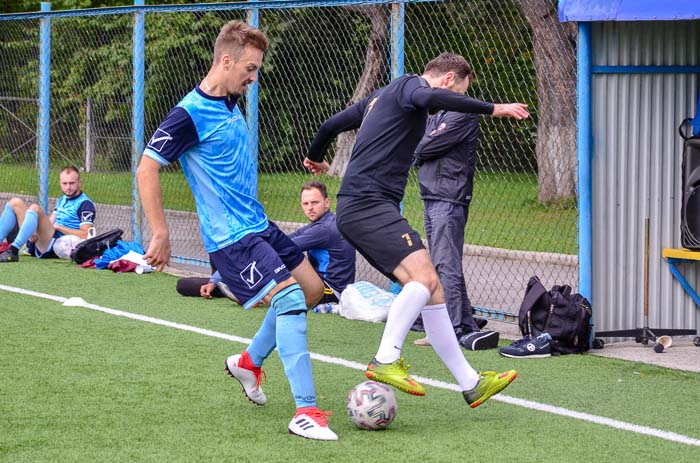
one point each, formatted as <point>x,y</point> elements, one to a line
<point>565,316</point>
<point>95,246</point>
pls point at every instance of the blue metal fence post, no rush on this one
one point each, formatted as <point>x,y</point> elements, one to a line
<point>585,154</point>
<point>137,128</point>
<point>397,70</point>
<point>251,101</point>
<point>397,39</point>
<point>44,121</point>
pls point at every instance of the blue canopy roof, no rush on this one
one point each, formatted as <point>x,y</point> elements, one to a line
<point>628,10</point>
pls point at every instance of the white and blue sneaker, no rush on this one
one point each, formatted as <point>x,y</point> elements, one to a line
<point>528,347</point>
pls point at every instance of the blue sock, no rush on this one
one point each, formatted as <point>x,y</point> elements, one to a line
<point>264,341</point>
<point>8,220</point>
<point>28,228</point>
<point>291,343</point>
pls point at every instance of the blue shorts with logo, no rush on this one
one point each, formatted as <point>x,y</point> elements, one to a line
<point>253,266</point>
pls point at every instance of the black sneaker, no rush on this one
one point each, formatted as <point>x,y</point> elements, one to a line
<point>9,256</point>
<point>480,340</point>
<point>528,347</point>
<point>480,322</point>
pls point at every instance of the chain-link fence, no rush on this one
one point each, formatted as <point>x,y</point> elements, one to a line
<point>323,56</point>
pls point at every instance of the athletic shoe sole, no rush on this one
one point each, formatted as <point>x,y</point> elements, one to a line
<point>398,385</point>
<point>531,356</point>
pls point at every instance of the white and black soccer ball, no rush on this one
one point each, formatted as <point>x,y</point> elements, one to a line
<point>65,244</point>
<point>372,405</point>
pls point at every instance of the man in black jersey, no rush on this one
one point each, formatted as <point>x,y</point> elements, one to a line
<point>391,123</point>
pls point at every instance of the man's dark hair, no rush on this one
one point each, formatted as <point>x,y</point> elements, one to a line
<point>70,169</point>
<point>447,62</point>
<point>311,184</point>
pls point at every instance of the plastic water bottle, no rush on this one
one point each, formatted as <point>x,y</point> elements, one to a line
<point>326,308</point>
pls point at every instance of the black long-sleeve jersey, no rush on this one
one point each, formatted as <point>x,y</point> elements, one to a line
<point>392,122</point>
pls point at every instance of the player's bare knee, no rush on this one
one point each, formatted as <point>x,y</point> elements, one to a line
<point>432,282</point>
<point>35,208</point>
<point>17,204</point>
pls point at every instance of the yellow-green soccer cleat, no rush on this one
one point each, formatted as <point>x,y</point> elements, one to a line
<point>394,374</point>
<point>490,383</point>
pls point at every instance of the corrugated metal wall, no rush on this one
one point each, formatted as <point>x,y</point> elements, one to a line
<point>637,171</point>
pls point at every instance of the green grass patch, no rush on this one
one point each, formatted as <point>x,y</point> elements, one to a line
<point>80,385</point>
<point>505,212</point>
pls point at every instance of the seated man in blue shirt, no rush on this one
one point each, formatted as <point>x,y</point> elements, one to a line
<point>74,214</point>
<point>330,255</point>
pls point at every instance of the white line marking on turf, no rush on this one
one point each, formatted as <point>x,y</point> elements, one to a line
<point>622,425</point>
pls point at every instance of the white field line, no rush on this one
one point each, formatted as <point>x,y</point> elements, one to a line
<point>645,430</point>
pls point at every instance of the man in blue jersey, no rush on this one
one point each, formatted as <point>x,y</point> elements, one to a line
<point>331,256</point>
<point>391,123</point>
<point>207,133</point>
<point>74,214</point>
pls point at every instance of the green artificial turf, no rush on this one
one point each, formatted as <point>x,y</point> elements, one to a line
<point>81,385</point>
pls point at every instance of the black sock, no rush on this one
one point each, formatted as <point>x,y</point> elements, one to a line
<point>13,250</point>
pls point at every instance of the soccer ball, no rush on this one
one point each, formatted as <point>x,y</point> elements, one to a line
<point>372,405</point>
<point>64,245</point>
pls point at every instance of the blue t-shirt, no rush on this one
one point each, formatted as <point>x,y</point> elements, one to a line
<point>329,253</point>
<point>74,212</point>
<point>209,136</point>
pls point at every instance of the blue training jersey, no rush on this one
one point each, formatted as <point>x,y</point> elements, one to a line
<point>210,138</point>
<point>74,212</point>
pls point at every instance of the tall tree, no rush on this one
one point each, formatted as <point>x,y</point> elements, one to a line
<point>371,78</point>
<point>555,65</point>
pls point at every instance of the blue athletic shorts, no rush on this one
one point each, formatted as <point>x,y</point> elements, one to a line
<point>253,266</point>
<point>48,254</point>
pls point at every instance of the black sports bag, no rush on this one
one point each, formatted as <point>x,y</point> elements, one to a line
<point>96,246</point>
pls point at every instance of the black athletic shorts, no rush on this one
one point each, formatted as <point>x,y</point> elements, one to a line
<point>377,230</point>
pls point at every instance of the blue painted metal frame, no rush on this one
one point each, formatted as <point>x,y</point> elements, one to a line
<point>672,261</point>
<point>137,127</point>
<point>44,107</point>
<point>645,69</point>
<point>585,155</point>
<point>585,158</point>
<point>398,27</point>
<point>251,101</point>
<point>262,5</point>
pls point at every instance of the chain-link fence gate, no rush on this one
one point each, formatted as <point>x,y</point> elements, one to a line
<point>323,56</point>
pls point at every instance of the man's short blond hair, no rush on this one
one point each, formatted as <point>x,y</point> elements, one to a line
<point>234,36</point>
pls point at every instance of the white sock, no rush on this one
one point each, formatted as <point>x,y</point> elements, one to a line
<point>438,328</point>
<point>402,313</point>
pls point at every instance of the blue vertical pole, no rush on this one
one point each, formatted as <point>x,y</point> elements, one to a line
<point>397,39</point>
<point>585,154</point>
<point>137,119</point>
<point>44,107</point>
<point>251,101</point>
<point>397,70</point>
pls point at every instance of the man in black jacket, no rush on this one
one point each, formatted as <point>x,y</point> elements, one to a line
<point>446,157</point>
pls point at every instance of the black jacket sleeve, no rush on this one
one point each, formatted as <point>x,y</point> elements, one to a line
<point>437,142</point>
<point>435,99</point>
<point>348,119</point>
